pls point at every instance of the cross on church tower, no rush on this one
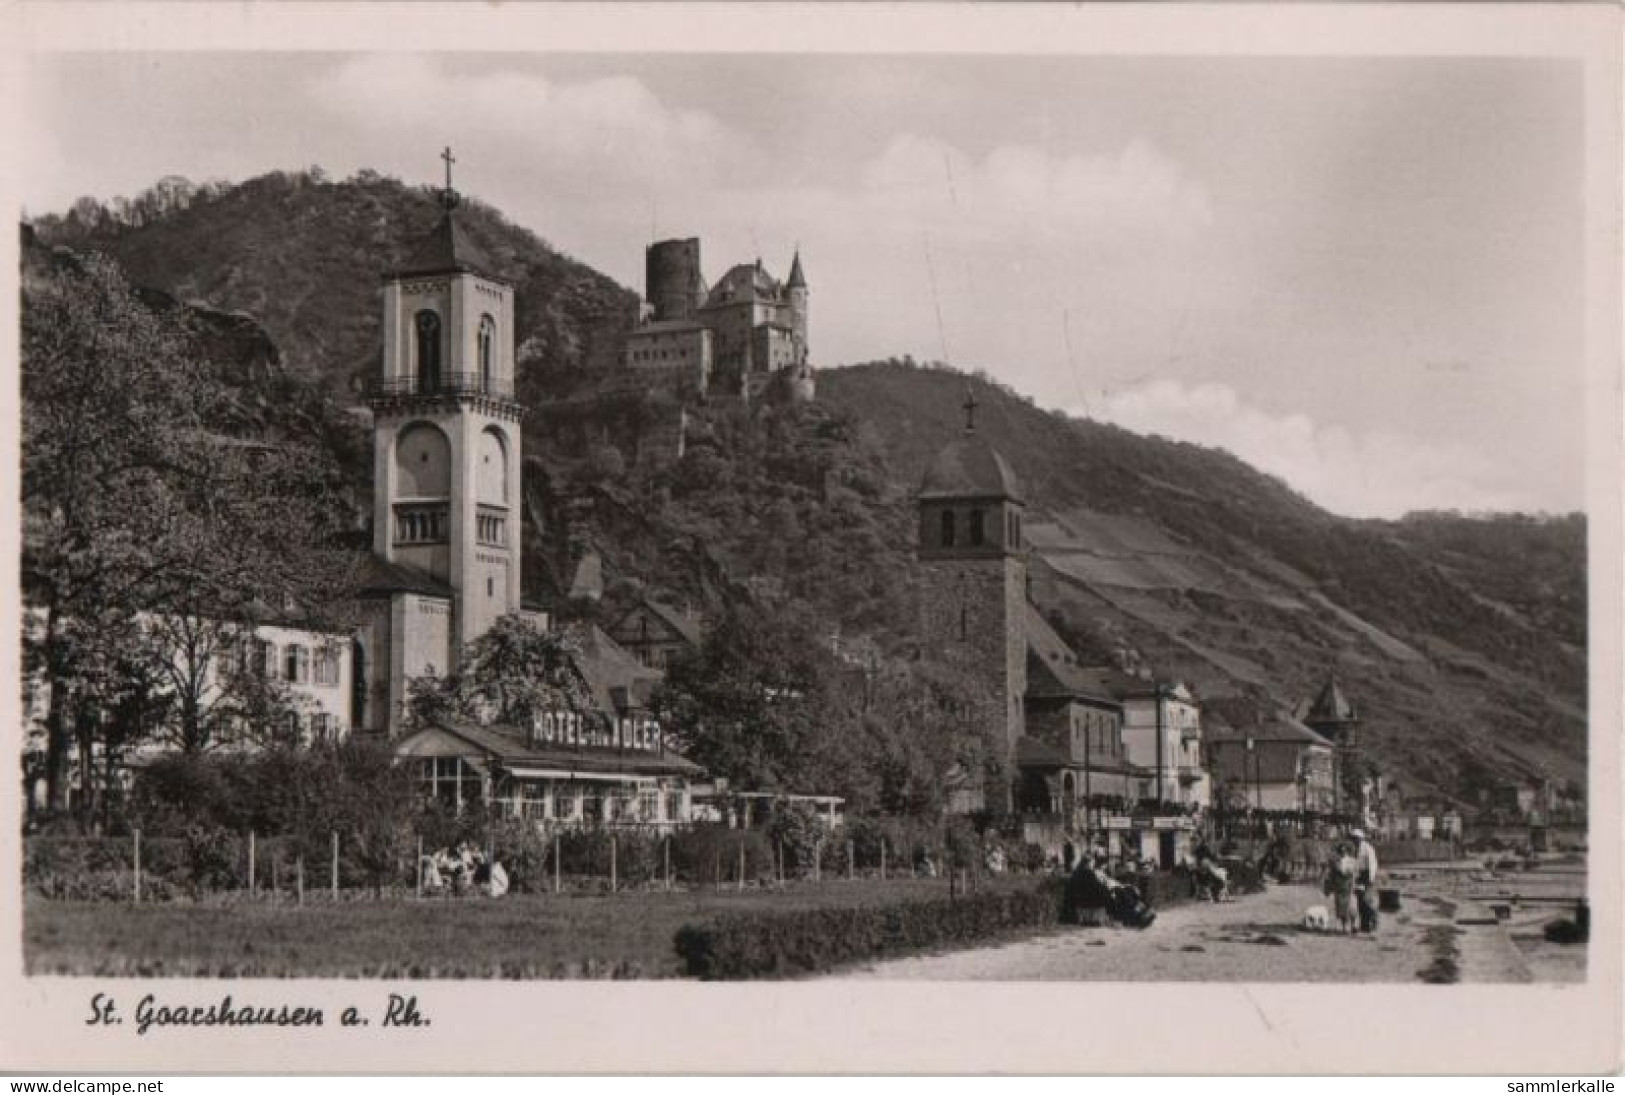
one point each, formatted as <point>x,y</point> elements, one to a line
<point>970,411</point>
<point>448,197</point>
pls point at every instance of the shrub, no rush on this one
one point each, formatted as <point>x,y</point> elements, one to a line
<point>800,832</point>
<point>698,853</point>
<point>777,944</point>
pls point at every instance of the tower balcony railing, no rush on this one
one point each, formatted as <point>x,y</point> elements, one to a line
<point>393,387</point>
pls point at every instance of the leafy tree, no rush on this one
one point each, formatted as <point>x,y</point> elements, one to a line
<point>513,674</point>
<point>141,515</point>
<point>746,705</point>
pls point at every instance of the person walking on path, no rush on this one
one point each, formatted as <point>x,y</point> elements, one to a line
<point>1365,887</point>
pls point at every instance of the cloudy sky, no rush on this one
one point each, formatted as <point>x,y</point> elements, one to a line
<point>1361,275</point>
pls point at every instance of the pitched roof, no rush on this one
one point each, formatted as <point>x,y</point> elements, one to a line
<point>797,280</point>
<point>1052,668</point>
<point>616,679</point>
<point>447,249</point>
<point>1279,727</point>
<point>511,747</point>
<point>1331,706</point>
<point>379,578</point>
<point>685,625</point>
<point>743,282</point>
<point>969,467</point>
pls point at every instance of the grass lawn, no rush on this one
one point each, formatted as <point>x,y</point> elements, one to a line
<point>524,936</point>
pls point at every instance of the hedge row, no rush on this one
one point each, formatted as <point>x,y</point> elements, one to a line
<point>770,943</point>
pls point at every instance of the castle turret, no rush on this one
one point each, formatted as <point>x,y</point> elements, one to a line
<point>796,288</point>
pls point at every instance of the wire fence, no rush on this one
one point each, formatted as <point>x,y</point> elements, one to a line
<point>339,867</point>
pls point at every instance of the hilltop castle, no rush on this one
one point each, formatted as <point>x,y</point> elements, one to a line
<point>744,336</point>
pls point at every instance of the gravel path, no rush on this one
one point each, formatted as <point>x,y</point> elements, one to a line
<point>1253,938</point>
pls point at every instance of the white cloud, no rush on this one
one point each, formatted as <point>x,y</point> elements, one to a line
<point>1137,190</point>
<point>1359,474</point>
<point>611,129</point>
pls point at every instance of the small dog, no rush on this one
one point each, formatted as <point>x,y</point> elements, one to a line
<point>1317,918</point>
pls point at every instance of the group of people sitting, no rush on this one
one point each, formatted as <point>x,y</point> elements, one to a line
<point>465,871</point>
<point>1092,893</point>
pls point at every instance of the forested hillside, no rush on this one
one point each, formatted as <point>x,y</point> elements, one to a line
<point>1462,639</point>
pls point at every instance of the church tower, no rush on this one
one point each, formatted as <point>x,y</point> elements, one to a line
<point>974,596</point>
<point>446,455</point>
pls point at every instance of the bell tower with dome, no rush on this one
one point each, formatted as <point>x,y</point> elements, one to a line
<point>972,556</point>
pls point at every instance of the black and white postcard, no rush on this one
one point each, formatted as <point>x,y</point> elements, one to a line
<point>821,539</point>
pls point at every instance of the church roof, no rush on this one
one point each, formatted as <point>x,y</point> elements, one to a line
<point>1053,671</point>
<point>1331,706</point>
<point>969,467</point>
<point>379,577</point>
<point>447,249</point>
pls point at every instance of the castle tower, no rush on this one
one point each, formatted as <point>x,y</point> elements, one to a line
<point>796,287</point>
<point>446,442</point>
<point>974,596</point>
<point>673,283</point>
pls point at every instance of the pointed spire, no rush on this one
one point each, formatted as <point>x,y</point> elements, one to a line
<point>970,406</point>
<point>797,279</point>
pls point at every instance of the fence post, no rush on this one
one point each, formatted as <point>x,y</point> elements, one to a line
<point>613,879</point>
<point>667,853</point>
<point>137,889</point>
<point>741,879</point>
<point>882,859</point>
<point>252,882</point>
<point>558,866</point>
<point>718,868</point>
<point>419,862</point>
<point>781,862</point>
<point>299,878</point>
<point>818,861</point>
<point>335,866</point>
<point>851,863</point>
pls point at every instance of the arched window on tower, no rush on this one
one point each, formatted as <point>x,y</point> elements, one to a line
<point>977,533</point>
<point>487,347</point>
<point>427,324</point>
<point>947,528</point>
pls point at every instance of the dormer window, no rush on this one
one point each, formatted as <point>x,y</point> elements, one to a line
<point>947,528</point>
<point>977,533</point>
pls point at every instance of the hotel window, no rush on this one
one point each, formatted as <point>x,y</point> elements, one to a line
<point>259,657</point>
<point>321,726</point>
<point>327,666</point>
<point>977,533</point>
<point>290,727</point>
<point>296,664</point>
<point>947,528</point>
